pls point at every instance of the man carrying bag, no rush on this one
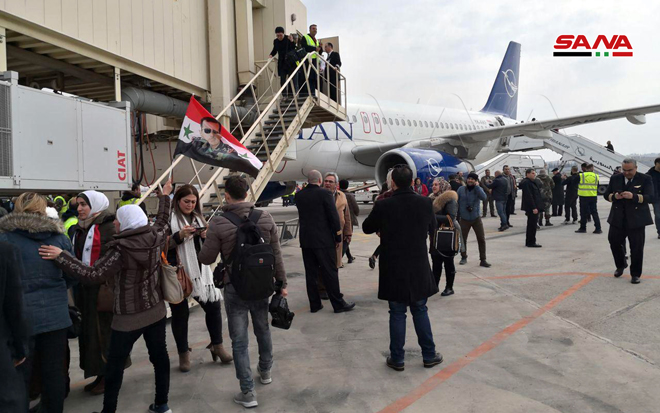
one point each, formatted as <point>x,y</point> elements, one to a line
<point>222,238</point>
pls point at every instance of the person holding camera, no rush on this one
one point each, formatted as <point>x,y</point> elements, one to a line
<point>470,198</point>
<point>188,235</point>
<point>221,238</point>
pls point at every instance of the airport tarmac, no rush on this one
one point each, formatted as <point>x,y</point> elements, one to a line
<point>542,330</point>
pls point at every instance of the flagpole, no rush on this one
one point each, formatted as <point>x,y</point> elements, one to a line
<point>157,182</point>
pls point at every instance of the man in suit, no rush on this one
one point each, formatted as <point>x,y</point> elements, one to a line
<point>335,60</point>
<point>405,280</point>
<point>320,236</point>
<point>532,204</point>
<point>629,193</point>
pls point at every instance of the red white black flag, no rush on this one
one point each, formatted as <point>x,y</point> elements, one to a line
<point>204,139</point>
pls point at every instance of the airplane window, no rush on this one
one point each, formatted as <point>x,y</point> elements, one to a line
<point>376,120</point>
<point>426,124</point>
<point>460,126</point>
<point>409,124</point>
<point>415,123</point>
<point>354,119</point>
<point>452,126</point>
<point>446,125</point>
<point>396,121</point>
<point>391,121</point>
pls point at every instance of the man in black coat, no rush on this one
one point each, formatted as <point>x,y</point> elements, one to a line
<point>335,60</point>
<point>532,204</point>
<point>629,193</point>
<point>282,45</point>
<point>557,193</point>
<point>404,221</point>
<point>570,204</point>
<point>320,233</point>
<point>654,173</point>
<point>13,331</point>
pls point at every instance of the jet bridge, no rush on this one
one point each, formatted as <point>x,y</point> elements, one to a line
<point>572,148</point>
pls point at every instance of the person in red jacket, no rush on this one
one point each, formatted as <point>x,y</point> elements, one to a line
<point>420,188</point>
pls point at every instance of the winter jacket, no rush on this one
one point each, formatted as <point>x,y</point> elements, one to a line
<point>471,199</point>
<point>446,204</point>
<point>547,185</point>
<point>221,238</point>
<point>500,188</point>
<point>133,261</point>
<point>655,177</point>
<point>558,191</point>
<point>485,182</point>
<point>44,285</point>
<point>353,207</point>
<point>14,327</point>
<point>421,189</point>
<point>571,183</point>
<point>405,221</point>
<point>531,198</point>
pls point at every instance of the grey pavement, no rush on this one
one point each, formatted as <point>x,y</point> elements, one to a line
<point>547,330</point>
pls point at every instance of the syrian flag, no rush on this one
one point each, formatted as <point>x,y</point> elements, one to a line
<point>204,139</point>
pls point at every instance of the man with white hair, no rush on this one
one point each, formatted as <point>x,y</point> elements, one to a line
<point>630,194</point>
<point>320,237</point>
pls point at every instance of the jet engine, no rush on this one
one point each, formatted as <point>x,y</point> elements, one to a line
<point>426,164</point>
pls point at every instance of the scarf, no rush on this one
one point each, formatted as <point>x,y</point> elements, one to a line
<point>97,202</point>
<point>202,280</point>
<point>418,189</point>
<point>131,217</point>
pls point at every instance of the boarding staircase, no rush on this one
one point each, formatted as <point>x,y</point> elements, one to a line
<point>573,147</point>
<point>281,113</point>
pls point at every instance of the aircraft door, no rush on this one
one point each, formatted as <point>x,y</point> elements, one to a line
<point>366,123</point>
<point>378,128</point>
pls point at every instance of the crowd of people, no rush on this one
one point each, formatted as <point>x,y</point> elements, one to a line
<point>291,50</point>
<point>100,280</point>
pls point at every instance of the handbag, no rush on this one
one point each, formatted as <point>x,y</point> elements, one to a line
<point>447,239</point>
<point>172,289</point>
<point>106,298</point>
<point>184,279</point>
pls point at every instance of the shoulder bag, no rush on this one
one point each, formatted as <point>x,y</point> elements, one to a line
<point>447,239</point>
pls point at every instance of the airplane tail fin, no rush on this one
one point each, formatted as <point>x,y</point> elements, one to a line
<point>503,99</point>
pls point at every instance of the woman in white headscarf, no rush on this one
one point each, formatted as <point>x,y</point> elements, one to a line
<point>132,261</point>
<point>188,234</point>
<point>90,238</point>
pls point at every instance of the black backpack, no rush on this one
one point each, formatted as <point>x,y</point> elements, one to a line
<point>251,264</point>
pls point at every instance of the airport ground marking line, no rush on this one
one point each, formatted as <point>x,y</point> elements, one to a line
<point>446,373</point>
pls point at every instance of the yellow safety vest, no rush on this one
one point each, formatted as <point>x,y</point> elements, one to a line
<point>129,202</point>
<point>310,42</point>
<point>588,186</point>
<point>69,223</point>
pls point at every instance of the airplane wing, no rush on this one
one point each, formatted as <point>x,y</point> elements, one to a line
<point>368,155</point>
<point>540,129</point>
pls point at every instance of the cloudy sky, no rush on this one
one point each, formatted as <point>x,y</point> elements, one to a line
<point>427,50</point>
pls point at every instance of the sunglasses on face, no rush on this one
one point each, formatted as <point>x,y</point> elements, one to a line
<point>209,130</point>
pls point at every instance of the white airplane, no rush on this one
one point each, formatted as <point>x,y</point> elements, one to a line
<point>434,141</point>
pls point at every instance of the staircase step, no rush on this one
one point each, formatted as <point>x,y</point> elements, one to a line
<point>253,148</point>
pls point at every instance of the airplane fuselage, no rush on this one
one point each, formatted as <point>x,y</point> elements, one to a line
<point>329,146</point>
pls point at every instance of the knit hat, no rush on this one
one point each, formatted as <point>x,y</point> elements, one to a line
<point>473,176</point>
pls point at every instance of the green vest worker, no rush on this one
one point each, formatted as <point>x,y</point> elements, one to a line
<point>588,193</point>
<point>312,46</point>
<point>61,205</point>
<point>132,197</point>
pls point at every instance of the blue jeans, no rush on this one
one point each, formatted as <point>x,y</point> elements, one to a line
<point>656,212</point>
<point>237,320</point>
<point>420,315</point>
<point>501,212</point>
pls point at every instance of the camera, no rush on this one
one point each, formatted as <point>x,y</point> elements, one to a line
<point>470,209</point>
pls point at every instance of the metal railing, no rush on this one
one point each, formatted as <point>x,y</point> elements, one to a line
<point>279,120</point>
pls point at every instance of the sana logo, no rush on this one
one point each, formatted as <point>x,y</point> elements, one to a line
<point>510,82</point>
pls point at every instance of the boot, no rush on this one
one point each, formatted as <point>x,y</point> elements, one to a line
<point>548,224</point>
<point>184,361</point>
<point>449,287</point>
<point>99,389</point>
<point>218,351</point>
